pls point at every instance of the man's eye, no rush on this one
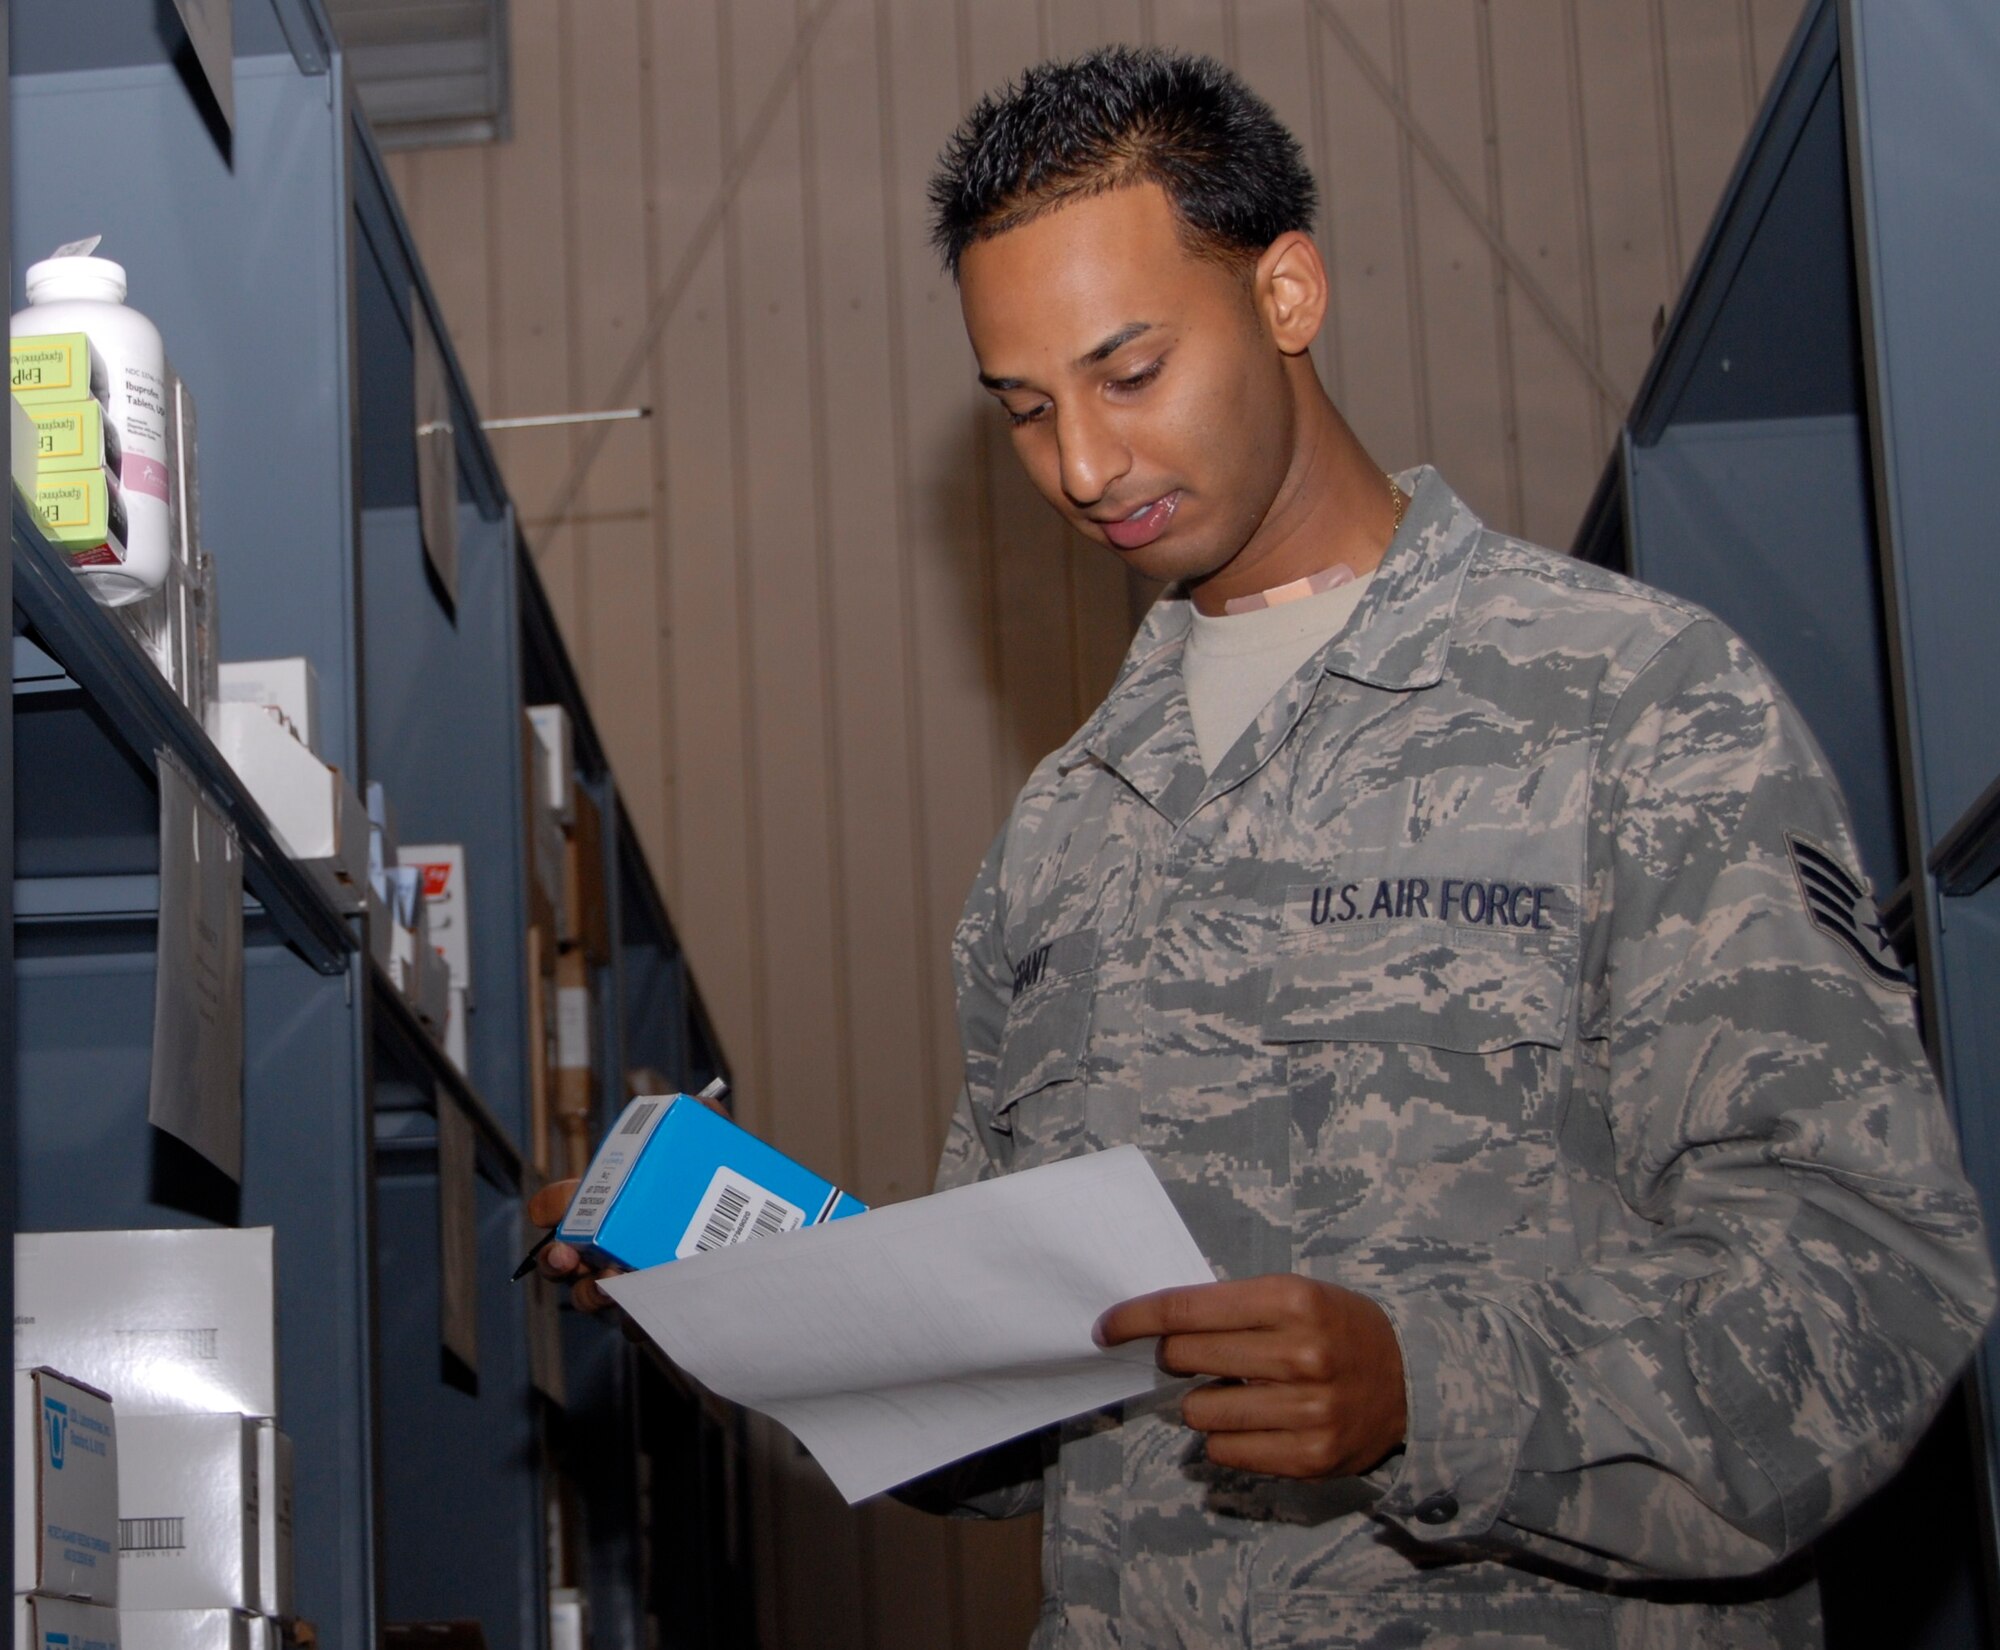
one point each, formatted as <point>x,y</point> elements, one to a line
<point>1033,415</point>
<point>1140,379</point>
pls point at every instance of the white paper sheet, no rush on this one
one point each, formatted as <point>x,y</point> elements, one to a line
<point>895,1341</point>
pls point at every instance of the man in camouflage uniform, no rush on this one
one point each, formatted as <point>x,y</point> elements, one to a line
<point>1499,1011</point>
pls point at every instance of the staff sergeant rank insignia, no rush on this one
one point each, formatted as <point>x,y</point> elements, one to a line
<point>1841,907</point>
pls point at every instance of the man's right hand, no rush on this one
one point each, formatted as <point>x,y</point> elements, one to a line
<point>560,1263</point>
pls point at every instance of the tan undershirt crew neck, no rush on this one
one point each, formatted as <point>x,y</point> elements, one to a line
<point>1235,663</point>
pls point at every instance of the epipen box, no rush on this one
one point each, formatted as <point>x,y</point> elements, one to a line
<point>75,435</point>
<point>58,367</point>
<point>675,1178</point>
<point>84,513</point>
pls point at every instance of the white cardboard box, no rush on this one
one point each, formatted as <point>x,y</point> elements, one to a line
<point>65,1489</point>
<point>313,808</point>
<point>188,1630</point>
<point>167,1322</point>
<point>448,900</point>
<point>64,1624</point>
<point>566,1619</point>
<point>274,1514</point>
<point>288,686</point>
<point>188,1524</point>
<point>552,729</point>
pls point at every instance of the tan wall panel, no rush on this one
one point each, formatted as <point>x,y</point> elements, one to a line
<point>826,623</point>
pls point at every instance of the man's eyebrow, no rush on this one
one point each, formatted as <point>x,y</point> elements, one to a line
<point>1090,358</point>
<point>1112,345</point>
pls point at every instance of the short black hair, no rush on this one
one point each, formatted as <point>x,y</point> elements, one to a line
<point>1123,115</point>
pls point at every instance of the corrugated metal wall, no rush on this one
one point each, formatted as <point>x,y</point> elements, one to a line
<point>825,626</point>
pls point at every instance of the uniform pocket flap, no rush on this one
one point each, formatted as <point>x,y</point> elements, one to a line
<point>1048,1021</point>
<point>1466,991</point>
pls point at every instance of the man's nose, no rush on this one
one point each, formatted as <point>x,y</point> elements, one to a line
<point>1091,455</point>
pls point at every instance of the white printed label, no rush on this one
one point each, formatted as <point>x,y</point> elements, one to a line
<point>573,1028</point>
<point>610,1169</point>
<point>735,1209</point>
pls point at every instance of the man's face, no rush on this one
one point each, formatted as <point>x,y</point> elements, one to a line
<point>1146,397</point>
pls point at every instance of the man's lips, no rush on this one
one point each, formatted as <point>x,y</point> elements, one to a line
<point>1143,525</point>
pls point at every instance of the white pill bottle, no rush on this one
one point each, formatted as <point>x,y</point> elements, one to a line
<point>87,295</point>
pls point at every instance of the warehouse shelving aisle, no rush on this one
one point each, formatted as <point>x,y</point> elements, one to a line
<point>1809,458</point>
<point>276,263</point>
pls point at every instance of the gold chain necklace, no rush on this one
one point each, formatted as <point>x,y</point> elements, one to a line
<point>1399,499</point>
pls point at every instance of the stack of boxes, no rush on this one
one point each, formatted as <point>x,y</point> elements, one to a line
<point>62,395</point>
<point>569,937</point>
<point>179,1327</point>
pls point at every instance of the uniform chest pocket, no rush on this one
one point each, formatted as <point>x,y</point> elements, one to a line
<point>1425,1083</point>
<point>1048,1021</point>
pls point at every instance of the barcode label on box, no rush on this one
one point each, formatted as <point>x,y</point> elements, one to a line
<point>610,1169</point>
<point>152,1535</point>
<point>734,1210</point>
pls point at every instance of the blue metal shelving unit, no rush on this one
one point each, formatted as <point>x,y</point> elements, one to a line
<point>279,268</point>
<point>1808,458</point>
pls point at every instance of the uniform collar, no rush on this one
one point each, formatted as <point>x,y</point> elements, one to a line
<point>1397,639</point>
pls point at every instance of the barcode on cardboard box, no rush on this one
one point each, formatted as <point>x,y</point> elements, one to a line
<point>152,1535</point>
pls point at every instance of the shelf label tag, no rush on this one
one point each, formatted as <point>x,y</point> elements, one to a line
<point>437,455</point>
<point>458,1235</point>
<point>197,1081</point>
<point>211,30</point>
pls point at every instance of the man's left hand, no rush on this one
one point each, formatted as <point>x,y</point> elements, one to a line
<point>1310,1376</point>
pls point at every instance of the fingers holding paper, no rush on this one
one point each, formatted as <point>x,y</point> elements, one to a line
<point>1309,1376</point>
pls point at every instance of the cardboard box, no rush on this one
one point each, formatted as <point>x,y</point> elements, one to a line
<point>64,1624</point>
<point>83,512</point>
<point>551,723</point>
<point>409,927</point>
<point>584,902</point>
<point>288,686</point>
<point>57,367</point>
<point>576,1060</point>
<point>168,1322</point>
<point>188,1527</point>
<point>190,1630</point>
<point>313,808</point>
<point>79,436</point>
<point>675,1178</point>
<point>566,1619</point>
<point>447,899</point>
<point>65,1489</point>
<point>274,1515</point>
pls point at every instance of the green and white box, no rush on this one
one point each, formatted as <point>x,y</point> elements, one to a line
<point>53,367</point>
<point>74,435</point>
<point>65,1489</point>
<point>83,512</point>
<point>188,1527</point>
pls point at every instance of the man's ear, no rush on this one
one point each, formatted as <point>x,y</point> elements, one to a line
<point>1290,291</point>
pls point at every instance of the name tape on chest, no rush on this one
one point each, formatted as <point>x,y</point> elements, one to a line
<point>1495,903</point>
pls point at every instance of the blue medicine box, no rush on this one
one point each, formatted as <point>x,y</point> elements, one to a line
<point>675,1178</point>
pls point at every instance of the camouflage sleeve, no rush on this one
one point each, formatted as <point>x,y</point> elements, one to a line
<point>1004,1482</point>
<point>1805,1271</point>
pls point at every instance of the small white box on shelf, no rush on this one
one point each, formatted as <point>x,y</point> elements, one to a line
<point>65,1489</point>
<point>168,1322</point>
<point>315,811</point>
<point>448,901</point>
<point>188,1527</point>
<point>274,1514</point>
<point>559,793</point>
<point>288,686</point>
<point>188,1630</point>
<point>64,1624</point>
